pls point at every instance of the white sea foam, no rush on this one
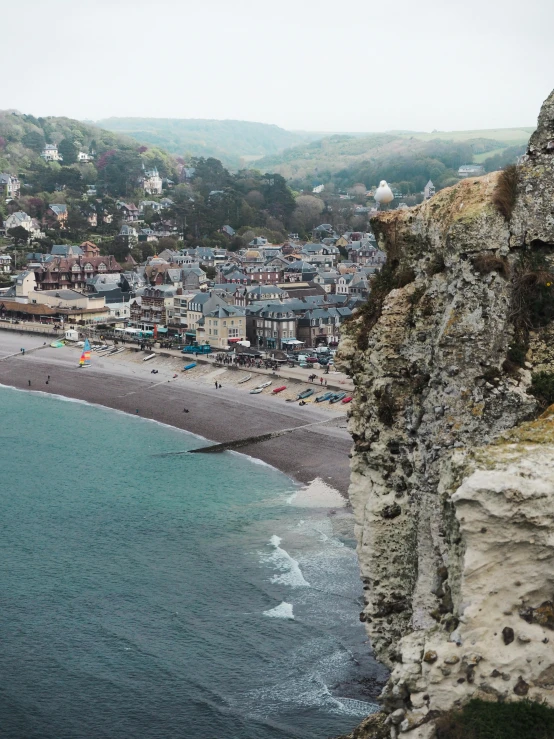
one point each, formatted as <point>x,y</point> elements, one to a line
<point>283,610</point>
<point>291,574</point>
<point>318,494</point>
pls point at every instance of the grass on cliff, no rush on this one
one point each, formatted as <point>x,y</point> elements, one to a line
<point>532,304</point>
<point>505,192</point>
<point>389,278</point>
<point>483,720</point>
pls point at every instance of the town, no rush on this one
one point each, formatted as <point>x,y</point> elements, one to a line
<point>267,296</point>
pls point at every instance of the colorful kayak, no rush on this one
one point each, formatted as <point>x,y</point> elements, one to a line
<point>57,344</point>
<point>279,389</point>
<point>84,361</point>
<point>189,366</point>
<point>336,397</point>
<point>325,396</point>
<point>347,399</point>
<point>305,394</point>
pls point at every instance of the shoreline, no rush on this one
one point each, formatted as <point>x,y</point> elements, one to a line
<point>124,383</point>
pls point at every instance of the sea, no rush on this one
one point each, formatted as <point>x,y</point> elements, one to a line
<point>148,592</point>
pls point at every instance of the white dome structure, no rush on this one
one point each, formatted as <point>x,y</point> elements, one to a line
<point>383,194</point>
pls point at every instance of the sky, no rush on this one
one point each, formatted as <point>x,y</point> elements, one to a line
<point>318,65</point>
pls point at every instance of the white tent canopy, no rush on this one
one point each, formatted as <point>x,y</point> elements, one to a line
<point>292,341</point>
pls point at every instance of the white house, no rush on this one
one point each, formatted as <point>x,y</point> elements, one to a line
<point>471,170</point>
<point>5,263</point>
<point>9,185</point>
<point>82,156</point>
<point>19,218</point>
<point>50,153</point>
<point>428,190</point>
<point>152,182</point>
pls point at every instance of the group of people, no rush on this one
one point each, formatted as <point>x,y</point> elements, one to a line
<point>245,360</point>
<point>313,378</point>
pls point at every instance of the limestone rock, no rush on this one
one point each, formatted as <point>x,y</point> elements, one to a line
<point>452,488</point>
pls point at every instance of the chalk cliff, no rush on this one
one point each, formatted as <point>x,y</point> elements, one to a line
<point>452,483</point>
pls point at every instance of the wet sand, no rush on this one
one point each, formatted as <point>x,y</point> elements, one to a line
<point>126,383</point>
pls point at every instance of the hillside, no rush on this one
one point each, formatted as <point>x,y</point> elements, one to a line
<point>235,143</point>
<point>405,159</point>
<point>115,161</point>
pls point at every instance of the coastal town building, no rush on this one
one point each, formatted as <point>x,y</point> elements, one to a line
<point>471,170</point>
<point>428,190</point>
<point>59,272</point>
<point>50,153</point>
<point>9,186</point>
<point>222,326</point>
<point>151,182</point>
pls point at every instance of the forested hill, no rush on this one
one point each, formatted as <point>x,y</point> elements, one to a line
<point>406,160</point>
<point>235,143</point>
<point>116,161</point>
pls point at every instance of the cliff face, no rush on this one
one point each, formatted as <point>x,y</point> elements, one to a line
<point>455,537</point>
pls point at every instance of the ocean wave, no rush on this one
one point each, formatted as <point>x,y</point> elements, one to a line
<point>291,574</point>
<point>283,610</point>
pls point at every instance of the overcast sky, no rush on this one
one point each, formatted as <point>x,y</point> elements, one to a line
<point>323,65</point>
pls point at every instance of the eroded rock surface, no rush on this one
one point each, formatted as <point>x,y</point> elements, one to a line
<point>455,527</point>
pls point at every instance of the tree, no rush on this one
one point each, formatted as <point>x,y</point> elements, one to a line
<point>77,224</point>
<point>34,140</point>
<point>307,212</point>
<point>68,151</point>
<point>19,234</point>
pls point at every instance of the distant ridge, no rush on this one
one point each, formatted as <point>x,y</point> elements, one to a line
<point>234,142</point>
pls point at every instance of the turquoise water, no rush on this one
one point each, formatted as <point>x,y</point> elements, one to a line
<point>164,596</point>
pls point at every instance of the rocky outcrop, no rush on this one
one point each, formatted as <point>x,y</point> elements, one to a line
<point>454,518</point>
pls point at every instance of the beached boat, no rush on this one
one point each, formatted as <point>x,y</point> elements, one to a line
<point>256,390</point>
<point>305,394</point>
<point>347,399</point>
<point>84,361</point>
<point>325,396</point>
<point>150,356</point>
<point>244,379</point>
<point>57,344</point>
<point>279,389</point>
<point>189,366</point>
<point>336,397</point>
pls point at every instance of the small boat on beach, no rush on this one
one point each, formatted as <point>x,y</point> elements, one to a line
<point>305,394</point>
<point>336,397</point>
<point>279,389</point>
<point>325,396</point>
<point>244,379</point>
<point>261,387</point>
<point>189,366</point>
<point>57,344</point>
<point>150,356</point>
<point>347,399</point>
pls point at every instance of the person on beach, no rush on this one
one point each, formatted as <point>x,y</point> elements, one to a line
<point>219,386</point>
<point>321,380</point>
<point>185,410</point>
<point>216,384</point>
<point>29,381</point>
